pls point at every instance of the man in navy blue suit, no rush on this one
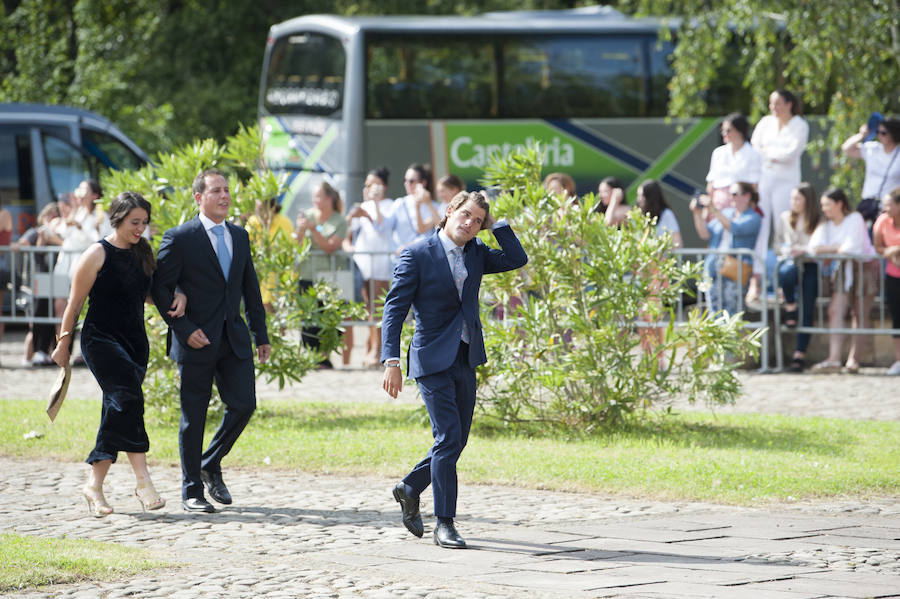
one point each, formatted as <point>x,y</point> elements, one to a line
<point>208,259</point>
<point>439,276</point>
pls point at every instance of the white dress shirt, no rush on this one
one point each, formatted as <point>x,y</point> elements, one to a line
<point>208,224</point>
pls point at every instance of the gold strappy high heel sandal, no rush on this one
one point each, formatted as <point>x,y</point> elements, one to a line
<point>147,495</point>
<point>97,505</point>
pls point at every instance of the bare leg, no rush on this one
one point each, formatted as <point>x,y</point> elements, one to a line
<point>348,346</point>
<point>836,310</point>
<point>144,489</point>
<point>93,490</point>
<point>862,319</point>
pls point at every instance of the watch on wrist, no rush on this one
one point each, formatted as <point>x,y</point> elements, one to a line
<point>392,363</point>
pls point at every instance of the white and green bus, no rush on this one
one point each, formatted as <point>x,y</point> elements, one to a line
<point>342,95</point>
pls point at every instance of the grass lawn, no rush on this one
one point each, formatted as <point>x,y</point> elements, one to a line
<point>27,562</point>
<point>738,459</point>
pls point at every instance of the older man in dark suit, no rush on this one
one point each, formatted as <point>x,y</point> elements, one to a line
<point>208,259</point>
<point>440,277</point>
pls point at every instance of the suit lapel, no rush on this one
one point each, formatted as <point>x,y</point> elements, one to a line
<point>235,251</point>
<point>439,256</point>
<point>471,262</point>
<point>203,240</point>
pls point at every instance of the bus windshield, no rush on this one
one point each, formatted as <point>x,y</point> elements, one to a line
<point>306,76</point>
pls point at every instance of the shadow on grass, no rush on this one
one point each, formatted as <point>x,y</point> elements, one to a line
<point>759,433</point>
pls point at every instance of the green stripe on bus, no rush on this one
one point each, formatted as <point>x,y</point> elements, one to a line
<point>676,151</point>
<point>326,140</point>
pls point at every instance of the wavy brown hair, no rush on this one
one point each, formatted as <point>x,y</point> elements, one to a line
<point>119,209</point>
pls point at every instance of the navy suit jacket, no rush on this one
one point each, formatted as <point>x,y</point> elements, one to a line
<point>187,260</point>
<point>422,279</point>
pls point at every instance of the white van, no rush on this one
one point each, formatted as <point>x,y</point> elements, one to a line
<point>46,151</point>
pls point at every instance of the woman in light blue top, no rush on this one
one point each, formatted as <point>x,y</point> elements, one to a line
<point>731,228</point>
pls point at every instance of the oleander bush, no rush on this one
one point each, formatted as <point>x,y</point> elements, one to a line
<point>584,335</point>
<point>166,184</point>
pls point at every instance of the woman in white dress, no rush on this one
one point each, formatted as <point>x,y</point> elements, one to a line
<point>372,228</point>
<point>844,232</point>
<point>780,138</point>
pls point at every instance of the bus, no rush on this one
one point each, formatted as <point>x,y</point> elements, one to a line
<point>342,95</point>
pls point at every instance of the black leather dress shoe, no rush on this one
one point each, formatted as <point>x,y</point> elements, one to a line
<point>445,535</point>
<point>412,519</point>
<point>215,486</point>
<point>198,504</point>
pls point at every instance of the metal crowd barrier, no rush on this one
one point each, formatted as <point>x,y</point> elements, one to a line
<point>700,254</point>
<point>822,299</point>
<point>30,282</point>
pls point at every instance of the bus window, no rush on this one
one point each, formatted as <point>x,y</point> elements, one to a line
<point>306,76</point>
<point>573,76</point>
<point>660,53</point>
<point>66,165</point>
<point>108,151</point>
<point>434,77</point>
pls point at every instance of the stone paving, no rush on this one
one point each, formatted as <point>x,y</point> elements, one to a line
<point>294,534</point>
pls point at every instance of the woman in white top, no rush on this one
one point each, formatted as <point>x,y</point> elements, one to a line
<point>780,138</point>
<point>371,227</point>
<point>844,232</point>
<point>735,160</point>
<point>882,158</point>
<point>650,199</point>
<point>792,234</point>
<point>413,213</point>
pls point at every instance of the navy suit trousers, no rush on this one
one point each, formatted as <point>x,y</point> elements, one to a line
<point>449,396</point>
<point>234,379</point>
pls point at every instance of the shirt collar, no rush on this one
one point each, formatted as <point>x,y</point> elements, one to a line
<point>208,222</point>
<point>447,243</point>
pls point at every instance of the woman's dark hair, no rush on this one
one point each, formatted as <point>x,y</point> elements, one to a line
<point>333,195</point>
<point>654,200</point>
<point>794,101</point>
<point>452,181</point>
<point>893,128</point>
<point>613,183</point>
<point>836,194</point>
<point>812,213</point>
<point>119,209</point>
<point>423,172</point>
<point>382,173</point>
<point>95,187</point>
<point>739,123</point>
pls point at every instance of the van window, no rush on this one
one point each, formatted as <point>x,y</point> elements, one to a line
<point>66,165</point>
<point>108,152</point>
<point>16,175</point>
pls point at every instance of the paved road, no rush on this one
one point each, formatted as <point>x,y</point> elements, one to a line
<point>292,534</point>
<point>301,535</point>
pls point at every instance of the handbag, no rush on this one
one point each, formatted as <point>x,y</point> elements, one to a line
<point>736,270</point>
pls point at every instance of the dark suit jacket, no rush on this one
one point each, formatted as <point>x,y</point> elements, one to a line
<point>188,261</point>
<point>422,278</point>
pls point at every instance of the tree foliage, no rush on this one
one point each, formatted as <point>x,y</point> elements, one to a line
<point>842,58</point>
<point>166,71</point>
<point>167,186</point>
<point>589,338</point>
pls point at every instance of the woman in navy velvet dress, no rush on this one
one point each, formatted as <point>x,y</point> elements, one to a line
<point>115,274</point>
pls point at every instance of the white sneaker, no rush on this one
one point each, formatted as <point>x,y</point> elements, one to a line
<point>40,359</point>
<point>894,370</point>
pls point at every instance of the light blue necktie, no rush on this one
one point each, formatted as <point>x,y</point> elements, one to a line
<point>222,249</point>
<point>459,277</point>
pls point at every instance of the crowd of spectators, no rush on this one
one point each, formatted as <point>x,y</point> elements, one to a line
<point>754,199</point>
